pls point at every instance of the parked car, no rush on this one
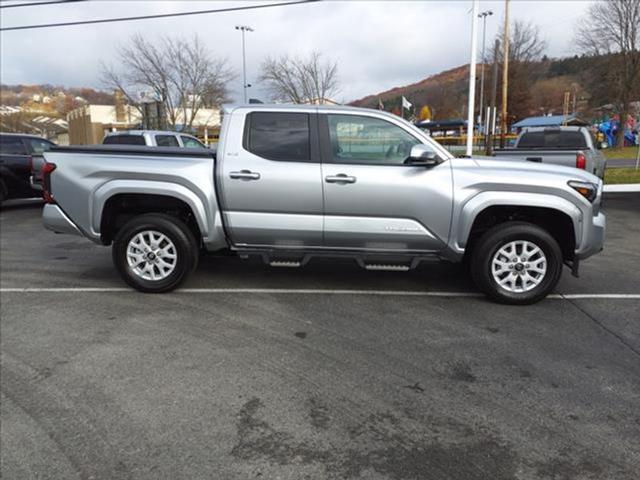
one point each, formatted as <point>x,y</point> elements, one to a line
<point>290,183</point>
<point>567,146</point>
<point>152,138</point>
<point>17,152</point>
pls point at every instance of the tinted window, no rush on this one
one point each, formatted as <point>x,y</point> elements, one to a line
<point>124,140</point>
<point>278,136</point>
<point>167,141</point>
<point>190,142</point>
<point>367,140</point>
<point>572,139</point>
<point>552,139</point>
<point>12,145</point>
<point>39,146</point>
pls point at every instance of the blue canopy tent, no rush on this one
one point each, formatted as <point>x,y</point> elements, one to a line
<point>550,121</point>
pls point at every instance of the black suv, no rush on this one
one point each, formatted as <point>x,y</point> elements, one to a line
<point>16,162</point>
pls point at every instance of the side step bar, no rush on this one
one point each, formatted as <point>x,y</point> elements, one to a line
<point>285,263</point>
<point>387,268</point>
<point>292,259</point>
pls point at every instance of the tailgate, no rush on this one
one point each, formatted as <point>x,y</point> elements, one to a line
<point>565,158</point>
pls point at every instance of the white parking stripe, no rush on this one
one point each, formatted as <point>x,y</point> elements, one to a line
<point>308,291</point>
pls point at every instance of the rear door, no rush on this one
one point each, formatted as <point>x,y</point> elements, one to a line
<point>374,201</point>
<point>270,178</point>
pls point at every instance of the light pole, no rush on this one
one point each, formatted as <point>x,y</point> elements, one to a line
<point>243,29</point>
<point>472,80</point>
<point>483,16</point>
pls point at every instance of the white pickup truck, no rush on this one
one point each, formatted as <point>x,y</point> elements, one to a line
<point>289,183</point>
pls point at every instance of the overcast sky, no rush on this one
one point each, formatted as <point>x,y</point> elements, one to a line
<point>378,44</point>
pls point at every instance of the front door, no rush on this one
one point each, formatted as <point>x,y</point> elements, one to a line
<point>271,180</point>
<point>374,201</point>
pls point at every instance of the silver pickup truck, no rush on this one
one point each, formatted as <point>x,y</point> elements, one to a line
<point>289,183</point>
<point>566,146</point>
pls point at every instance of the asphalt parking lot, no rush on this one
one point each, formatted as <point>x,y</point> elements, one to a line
<point>412,377</point>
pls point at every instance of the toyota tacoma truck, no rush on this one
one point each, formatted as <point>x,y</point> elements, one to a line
<point>567,146</point>
<point>290,183</point>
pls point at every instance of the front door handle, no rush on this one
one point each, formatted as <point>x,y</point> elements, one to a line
<point>244,175</point>
<point>340,178</point>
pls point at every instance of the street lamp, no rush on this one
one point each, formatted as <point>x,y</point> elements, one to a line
<point>245,85</point>
<point>483,16</point>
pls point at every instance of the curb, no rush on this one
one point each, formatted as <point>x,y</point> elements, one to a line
<point>622,188</point>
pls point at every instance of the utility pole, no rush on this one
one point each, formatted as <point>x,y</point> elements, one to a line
<point>483,15</point>
<point>491,118</point>
<point>243,29</point>
<point>505,74</point>
<point>472,80</point>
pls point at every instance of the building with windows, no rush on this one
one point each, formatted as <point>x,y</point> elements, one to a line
<point>90,123</point>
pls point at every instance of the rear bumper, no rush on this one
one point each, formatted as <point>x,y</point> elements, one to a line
<point>54,219</point>
<point>593,239</point>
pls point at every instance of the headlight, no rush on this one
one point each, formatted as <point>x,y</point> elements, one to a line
<point>587,189</point>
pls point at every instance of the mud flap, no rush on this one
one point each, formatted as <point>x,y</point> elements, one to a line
<point>574,266</point>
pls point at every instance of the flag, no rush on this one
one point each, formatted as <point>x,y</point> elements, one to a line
<point>380,104</point>
<point>406,104</point>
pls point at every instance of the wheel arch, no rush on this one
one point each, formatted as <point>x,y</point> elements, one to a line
<point>558,216</point>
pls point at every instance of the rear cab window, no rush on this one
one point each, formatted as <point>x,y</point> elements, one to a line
<point>279,136</point>
<point>553,139</point>
<point>124,140</point>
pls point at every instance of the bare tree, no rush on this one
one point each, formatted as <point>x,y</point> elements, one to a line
<point>300,80</point>
<point>182,73</point>
<point>525,43</point>
<point>613,28</point>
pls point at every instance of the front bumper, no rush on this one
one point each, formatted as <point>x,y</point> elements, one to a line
<point>54,219</point>
<point>593,237</point>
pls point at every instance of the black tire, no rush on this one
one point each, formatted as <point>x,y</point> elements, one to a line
<point>500,236</point>
<point>186,250</point>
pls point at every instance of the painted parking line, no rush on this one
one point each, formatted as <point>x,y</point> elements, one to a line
<point>309,291</point>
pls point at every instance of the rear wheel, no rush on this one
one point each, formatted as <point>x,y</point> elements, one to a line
<point>154,253</point>
<point>516,263</point>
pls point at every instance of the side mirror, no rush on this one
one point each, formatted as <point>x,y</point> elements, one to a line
<point>422,156</point>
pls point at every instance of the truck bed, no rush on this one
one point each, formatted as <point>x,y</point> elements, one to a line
<point>565,157</point>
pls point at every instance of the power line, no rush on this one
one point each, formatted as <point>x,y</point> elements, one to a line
<point>163,15</point>
<point>35,4</point>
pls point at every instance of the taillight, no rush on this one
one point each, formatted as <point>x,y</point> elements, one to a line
<point>581,161</point>
<point>30,163</point>
<point>47,168</point>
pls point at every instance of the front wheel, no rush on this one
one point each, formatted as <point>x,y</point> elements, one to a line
<point>516,263</point>
<point>154,253</point>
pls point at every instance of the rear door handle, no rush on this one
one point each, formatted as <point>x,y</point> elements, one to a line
<point>244,175</point>
<point>534,159</point>
<point>340,178</point>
